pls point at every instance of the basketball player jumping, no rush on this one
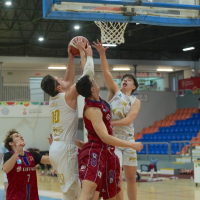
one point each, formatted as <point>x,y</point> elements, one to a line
<point>124,110</point>
<point>63,107</point>
<point>94,154</point>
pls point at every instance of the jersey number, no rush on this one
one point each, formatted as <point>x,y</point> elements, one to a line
<point>28,177</point>
<point>55,116</point>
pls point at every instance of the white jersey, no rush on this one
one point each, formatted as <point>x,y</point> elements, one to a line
<point>120,105</point>
<point>64,119</point>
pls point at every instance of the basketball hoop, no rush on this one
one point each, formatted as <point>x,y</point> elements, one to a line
<point>112,32</point>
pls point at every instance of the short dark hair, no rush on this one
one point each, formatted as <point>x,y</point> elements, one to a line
<point>9,139</point>
<point>83,86</point>
<point>49,84</point>
<point>134,80</point>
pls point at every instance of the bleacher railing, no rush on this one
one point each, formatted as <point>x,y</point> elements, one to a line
<point>180,142</point>
<point>191,153</point>
<point>148,143</point>
<point>169,146</point>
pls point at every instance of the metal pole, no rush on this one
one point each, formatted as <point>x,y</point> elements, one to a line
<point>133,3</point>
<point>1,82</point>
<point>135,66</point>
<point>147,149</point>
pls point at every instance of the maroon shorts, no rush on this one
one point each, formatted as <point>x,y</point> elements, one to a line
<point>111,179</point>
<point>92,162</point>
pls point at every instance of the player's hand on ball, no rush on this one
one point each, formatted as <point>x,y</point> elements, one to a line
<point>138,146</point>
<point>80,43</point>
<point>99,47</point>
<point>88,50</point>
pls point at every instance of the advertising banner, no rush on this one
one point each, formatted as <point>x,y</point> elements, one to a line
<point>24,109</point>
<point>189,86</point>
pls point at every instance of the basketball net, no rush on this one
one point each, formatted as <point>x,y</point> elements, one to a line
<point>112,32</point>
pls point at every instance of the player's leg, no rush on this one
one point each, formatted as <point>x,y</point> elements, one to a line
<point>42,168</point>
<point>120,194</point>
<point>118,152</point>
<point>5,190</point>
<point>129,163</point>
<point>5,181</point>
<point>96,195</point>
<point>88,190</point>
<point>130,172</point>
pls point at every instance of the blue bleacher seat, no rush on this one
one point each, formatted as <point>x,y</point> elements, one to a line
<point>193,115</point>
<point>194,134</point>
<point>196,128</point>
<point>194,122</point>
<point>183,136</point>
<point>188,122</point>
<point>187,128</point>
<point>198,115</point>
<point>191,129</point>
<point>177,129</point>
<point>167,129</point>
<point>183,122</point>
<point>182,129</point>
<point>178,136</point>
<point>188,136</point>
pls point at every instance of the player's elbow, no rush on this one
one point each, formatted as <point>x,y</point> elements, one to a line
<point>5,169</point>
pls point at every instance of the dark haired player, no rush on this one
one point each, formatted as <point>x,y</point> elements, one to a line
<point>95,153</point>
<point>64,111</point>
<point>124,110</point>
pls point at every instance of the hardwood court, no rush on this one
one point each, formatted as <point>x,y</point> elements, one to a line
<point>168,189</point>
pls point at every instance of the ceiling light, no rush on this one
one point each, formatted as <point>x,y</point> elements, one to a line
<point>121,68</point>
<point>188,49</point>
<point>8,3</point>
<point>76,27</point>
<point>165,70</point>
<point>57,68</point>
<point>109,45</point>
<point>41,39</point>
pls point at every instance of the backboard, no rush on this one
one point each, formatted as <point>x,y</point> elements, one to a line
<point>182,13</point>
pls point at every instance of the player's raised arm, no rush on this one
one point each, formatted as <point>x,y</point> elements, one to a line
<point>70,72</point>
<point>9,162</point>
<point>95,116</point>
<point>110,83</point>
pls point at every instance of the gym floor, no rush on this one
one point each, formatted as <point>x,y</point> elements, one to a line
<point>49,189</point>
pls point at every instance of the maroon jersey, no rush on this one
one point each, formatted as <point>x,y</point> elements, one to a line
<point>92,136</point>
<point>22,180</point>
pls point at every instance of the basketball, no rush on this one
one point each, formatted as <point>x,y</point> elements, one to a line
<point>74,49</point>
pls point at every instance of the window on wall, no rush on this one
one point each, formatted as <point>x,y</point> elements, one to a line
<point>36,93</point>
<point>150,84</point>
<point>147,81</point>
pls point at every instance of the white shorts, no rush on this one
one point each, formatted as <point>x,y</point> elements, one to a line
<point>63,157</point>
<point>5,180</point>
<point>127,156</point>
